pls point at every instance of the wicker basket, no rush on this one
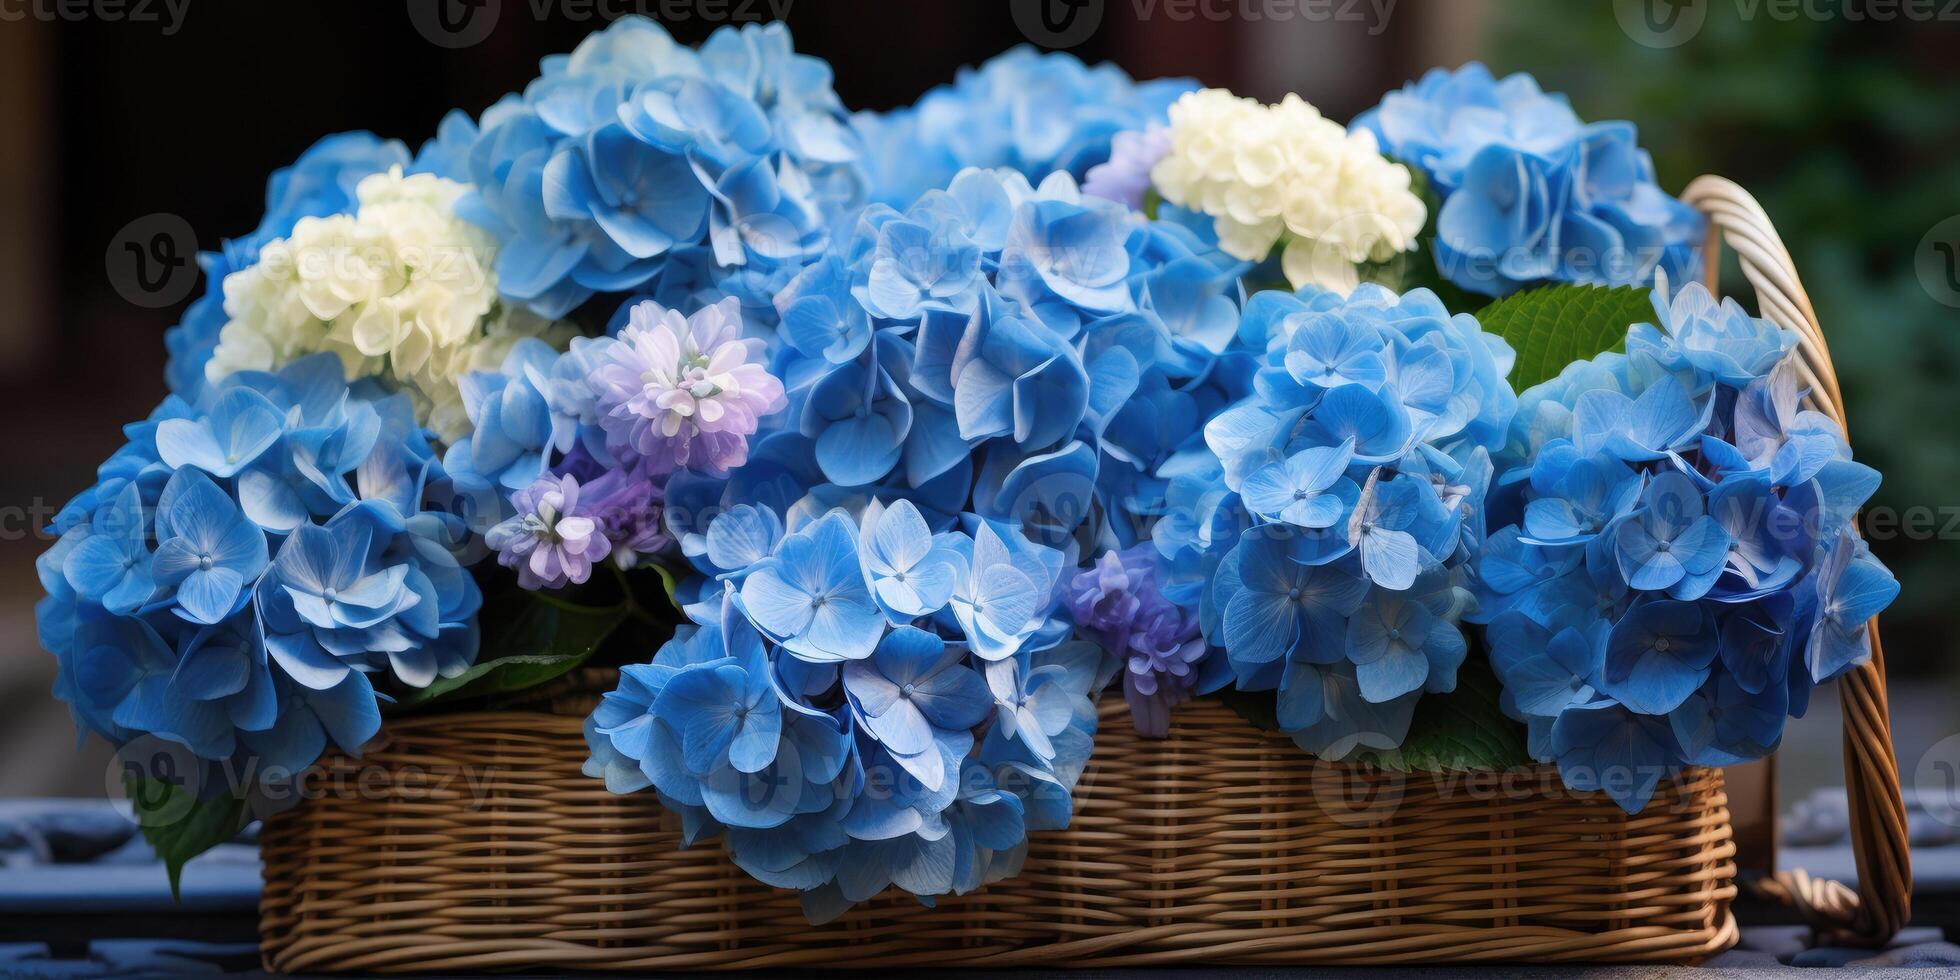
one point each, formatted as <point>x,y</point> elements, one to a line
<point>472,841</point>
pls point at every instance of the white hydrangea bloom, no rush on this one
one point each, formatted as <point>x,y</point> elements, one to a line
<point>403,290</point>
<point>1285,172</point>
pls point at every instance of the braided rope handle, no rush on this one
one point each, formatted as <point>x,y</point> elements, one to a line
<point>1883,902</point>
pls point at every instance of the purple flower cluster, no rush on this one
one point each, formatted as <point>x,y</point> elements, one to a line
<point>604,425</point>
<point>1117,603</point>
<point>552,540</point>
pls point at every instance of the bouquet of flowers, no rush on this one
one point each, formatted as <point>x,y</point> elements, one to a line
<point>874,449</point>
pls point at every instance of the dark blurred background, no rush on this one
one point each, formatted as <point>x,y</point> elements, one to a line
<point>118,111</point>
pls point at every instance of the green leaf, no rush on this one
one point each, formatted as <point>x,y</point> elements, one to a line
<point>1461,731</point>
<point>1553,326</point>
<point>529,639</point>
<point>1261,708</point>
<point>178,825</point>
<point>669,581</point>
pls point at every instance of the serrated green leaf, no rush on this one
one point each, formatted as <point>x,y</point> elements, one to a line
<point>179,827</point>
<point>1553,326</point>
<point>529,639</point>
<point>1462,731</point>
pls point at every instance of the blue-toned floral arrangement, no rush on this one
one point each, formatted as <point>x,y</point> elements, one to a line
<point>249,565</point>
<point>880,685</point>
<point>875,449</point>
<point>1676,567</point>
<point>1529,192</point>
<point>1336,507</point>
<point>1028,111</point>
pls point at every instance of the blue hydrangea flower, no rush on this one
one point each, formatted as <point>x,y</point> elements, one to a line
<point>241,426</point>
<point>977,384</point>
<point>254,570</point>
<point>1675,565</point>
<point>1852,587</point>
<point>515,433</point>
<point>1399,644</point>
<point>1029,111</point>
<point>841,781</point>
<point>634,157</point>
<point>1670,543</point>
<point>912,571</point>
<point>1530,193</point>
<point>1603,747</point>
<point>811,594</point>
<point>1030,379</point>
<point>1335,502</point>
<point>1310,489</point>
<point>913,693</point>
<point>1276,604</point>
<point>111,562</point>
<point>206,548</point>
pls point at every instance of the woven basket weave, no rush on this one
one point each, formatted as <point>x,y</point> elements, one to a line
<point>1221,844</point>
<point>472,841</point>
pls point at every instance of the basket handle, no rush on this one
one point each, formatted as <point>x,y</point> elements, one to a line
<point>1883,902</point>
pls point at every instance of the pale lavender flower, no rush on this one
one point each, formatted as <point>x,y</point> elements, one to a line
<point>552,540</point>
<point>685,391</point>
<point>1125,177</point>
